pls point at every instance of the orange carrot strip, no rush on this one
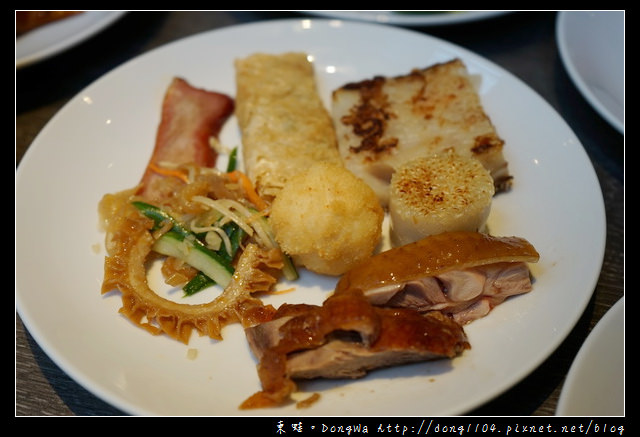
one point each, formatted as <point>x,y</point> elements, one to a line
<point>168,172</point>
<point>253,196</point>
<point>286,290</point>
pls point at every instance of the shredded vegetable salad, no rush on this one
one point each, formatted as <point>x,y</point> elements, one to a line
<point>203,229</point>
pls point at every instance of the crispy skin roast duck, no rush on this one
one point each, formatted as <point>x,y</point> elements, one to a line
<point>390,310</point>
<point>461,274</point>
<point>344,338</point>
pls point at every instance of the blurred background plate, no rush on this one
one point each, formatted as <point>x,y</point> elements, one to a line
<point>410,18</point>
<point>591,45</point>
<point>595,382</point>
<point>58,36</point>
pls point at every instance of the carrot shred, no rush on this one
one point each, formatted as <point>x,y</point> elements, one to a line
<point>168,172</point>
<point>286,290</point>
<point>253,196</point>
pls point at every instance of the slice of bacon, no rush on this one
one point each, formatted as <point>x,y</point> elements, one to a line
<point>190,117</point>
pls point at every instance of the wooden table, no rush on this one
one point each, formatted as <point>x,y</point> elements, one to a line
<point>523,43</point>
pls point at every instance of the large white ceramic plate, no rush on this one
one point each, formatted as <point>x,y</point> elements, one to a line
<point>411,18</point>
<point>595,383</point>
<point>102,139</point>
<point>591,45</point>
<point>56,37</point>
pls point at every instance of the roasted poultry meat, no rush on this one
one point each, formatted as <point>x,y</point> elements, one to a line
<point>461,274</point>
<point>343,338</point>
<point>404,305</point>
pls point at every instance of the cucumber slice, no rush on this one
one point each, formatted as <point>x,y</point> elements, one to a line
<point>194,253</point>
<point>183,244</point>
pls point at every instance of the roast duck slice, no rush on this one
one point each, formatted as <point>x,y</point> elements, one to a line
<point>462,274</point>
<point>343,338</point>
<point>397,308</point>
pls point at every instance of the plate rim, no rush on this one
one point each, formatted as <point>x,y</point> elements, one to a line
<point>69,42</point>
<point>387,17</point>
<point>576,76</point>
<point>571,379</point>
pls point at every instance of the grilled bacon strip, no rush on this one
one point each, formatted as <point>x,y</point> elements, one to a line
<point>190,117</point>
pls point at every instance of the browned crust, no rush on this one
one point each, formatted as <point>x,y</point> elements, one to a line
<point>434,255</point>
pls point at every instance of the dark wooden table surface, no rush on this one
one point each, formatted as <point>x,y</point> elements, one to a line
<point>523,43</point>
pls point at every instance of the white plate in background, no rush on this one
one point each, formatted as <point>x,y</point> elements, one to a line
<point>58,36</point>
<point>592,47</point>
<point>411,18</point>
<point>595,383</point>
<point>101,141</point>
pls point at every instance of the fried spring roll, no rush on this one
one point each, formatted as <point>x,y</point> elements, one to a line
<point>284,124</point>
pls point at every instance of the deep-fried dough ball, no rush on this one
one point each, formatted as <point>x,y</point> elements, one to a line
<point>327,219</point>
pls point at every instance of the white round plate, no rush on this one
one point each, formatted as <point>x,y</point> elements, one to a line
<point>53,38</point>
<point>411,18</point>
<point>591,45</point>
<point>595,383</point>
<point>101,141</point>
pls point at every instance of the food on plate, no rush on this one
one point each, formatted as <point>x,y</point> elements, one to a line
<point>284,124</point>
<point>345,337</point>
<point>419,145</point>
<point>190,117</point>
<point>30,20</point>
<point>384,122</point>
<point>179,232</point>
<point>205,225</point>
<point>327,219</point>
<point>438,193</point>
<point>461,274</point>
<point>130,246</point>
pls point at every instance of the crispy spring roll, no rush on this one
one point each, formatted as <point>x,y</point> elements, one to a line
<point>284,124</point>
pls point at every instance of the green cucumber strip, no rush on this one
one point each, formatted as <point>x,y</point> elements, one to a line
<point>160,216</point>
<point>196,255</point>
<point>198,283</point>
<point>183,244</point>
<point>236,236</point>
<point>233,160</point>
<point>202,281</point>
<point>289,269</point>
